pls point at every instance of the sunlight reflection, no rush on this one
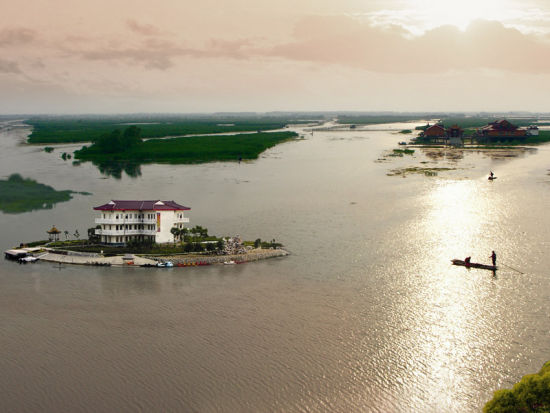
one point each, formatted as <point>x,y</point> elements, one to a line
<point>456,217</point>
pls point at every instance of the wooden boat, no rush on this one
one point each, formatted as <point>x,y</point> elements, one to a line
<point>492,178</point>
<point>475,265</point>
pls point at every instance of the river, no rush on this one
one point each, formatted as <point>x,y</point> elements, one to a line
<point>366,314</point>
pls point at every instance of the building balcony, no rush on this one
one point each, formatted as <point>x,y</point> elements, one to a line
<point>177,220</point>
<point>126,221</point>
<point>123,232</point>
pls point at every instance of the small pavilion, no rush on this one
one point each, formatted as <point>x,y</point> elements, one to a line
<point>53,234</point>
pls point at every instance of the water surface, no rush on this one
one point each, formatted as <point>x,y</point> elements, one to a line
<point>367,314</point>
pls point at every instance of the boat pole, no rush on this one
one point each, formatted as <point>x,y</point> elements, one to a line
<point>512,268</point>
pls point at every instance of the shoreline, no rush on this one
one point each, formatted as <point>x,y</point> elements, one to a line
<point>133,260</point>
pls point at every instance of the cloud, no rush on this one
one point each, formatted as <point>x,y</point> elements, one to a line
<point>16,36</point>
<point>7,66</point>
<point>346,41</point>
<point>160,54</point>
<point>143,29</point>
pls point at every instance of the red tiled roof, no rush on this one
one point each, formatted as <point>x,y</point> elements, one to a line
<point>156,205</point>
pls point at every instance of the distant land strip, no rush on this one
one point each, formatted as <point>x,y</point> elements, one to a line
<point>71,129</point>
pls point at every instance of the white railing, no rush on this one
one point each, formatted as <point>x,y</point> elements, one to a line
<point>125,232</point>
<point>125,221</point>
<point>181,220</point>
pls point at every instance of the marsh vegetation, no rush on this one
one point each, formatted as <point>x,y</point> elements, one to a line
<point>18,194</point>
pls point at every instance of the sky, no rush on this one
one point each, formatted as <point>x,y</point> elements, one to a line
<point>182,56</point>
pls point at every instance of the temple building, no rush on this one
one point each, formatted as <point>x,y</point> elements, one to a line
<point>501,130</point>
<point>125,221</point>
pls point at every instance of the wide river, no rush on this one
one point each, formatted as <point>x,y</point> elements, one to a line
<point>366,315</point>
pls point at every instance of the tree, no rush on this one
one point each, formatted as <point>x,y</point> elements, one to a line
<point>530,394</point>
<point>258,243</point>
<point>175,232</point>
<point>66,233</point>
<point>92,237</point>
<point>130,137</point>
<point>76,234</point>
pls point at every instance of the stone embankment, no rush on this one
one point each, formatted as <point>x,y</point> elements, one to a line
<point>251,255</point>
<point>80,258</point>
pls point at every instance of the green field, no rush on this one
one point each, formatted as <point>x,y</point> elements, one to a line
<point>194,149</point>
<point>18,195</point>
<point>69,129</point>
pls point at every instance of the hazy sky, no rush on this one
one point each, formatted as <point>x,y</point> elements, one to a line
<point>84,56</point>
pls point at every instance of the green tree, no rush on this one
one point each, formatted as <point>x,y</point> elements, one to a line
<point>258,243</point>
<point>175,232</point>
<point>66,233</point>
<point>76,234</point>
<point>530,394</point>
<point>92,237</point>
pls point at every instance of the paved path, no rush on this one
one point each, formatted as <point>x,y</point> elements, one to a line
<point>74,259</point>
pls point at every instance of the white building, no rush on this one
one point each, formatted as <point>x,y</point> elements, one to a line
<point>533,130</point>
<point>123,221</point>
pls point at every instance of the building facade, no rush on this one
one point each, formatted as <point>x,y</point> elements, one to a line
<point>125,221</point>
<point>501,130</point>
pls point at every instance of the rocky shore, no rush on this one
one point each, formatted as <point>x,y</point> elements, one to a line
<point>79,258</point>
<point>248,256</point>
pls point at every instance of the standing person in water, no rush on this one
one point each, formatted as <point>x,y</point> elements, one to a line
<point>494,258</point>
<point>491,174</point>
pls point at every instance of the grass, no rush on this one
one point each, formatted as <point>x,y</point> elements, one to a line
<point>68,129</point>
<point>401,152</point>
<point>417,170</point>
<point>18,195</point>
<point>195,149</point>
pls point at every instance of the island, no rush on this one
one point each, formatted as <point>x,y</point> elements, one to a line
<point>18,195</point>
<point>147,233</point>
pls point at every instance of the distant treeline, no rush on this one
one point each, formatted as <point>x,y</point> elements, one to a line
<point>88,129</point>
<point>128,146</point>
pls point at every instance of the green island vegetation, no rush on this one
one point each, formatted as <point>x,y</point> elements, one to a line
<point>194,241</point>
<point>49,149</point>
<point>18,195</point>
<point>406,131</point>
<point>530,394</point>
<point>417,170</point>
<point>129,147</point>
<point>401,152</point>
<point>70,129</point>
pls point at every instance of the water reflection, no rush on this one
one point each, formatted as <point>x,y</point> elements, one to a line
<point>115,168</point>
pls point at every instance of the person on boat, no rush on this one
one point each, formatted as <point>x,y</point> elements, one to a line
<point>491,174</point>
<point>494,258</point>
<point>467,261</point>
